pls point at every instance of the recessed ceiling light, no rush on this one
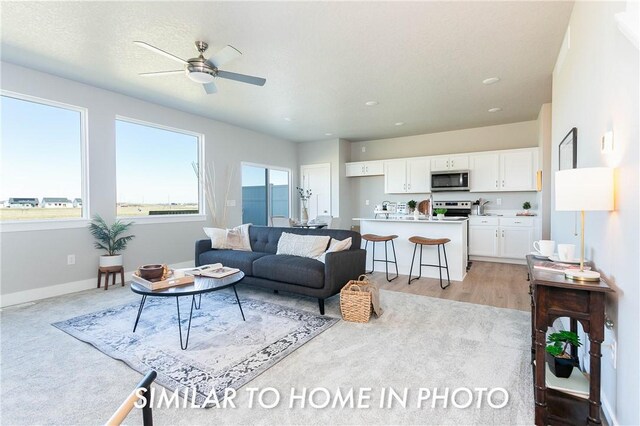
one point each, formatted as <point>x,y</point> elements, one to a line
<point>287,119</point>
<point>328,134</point>
<point>371,103</point>
<point>495,109</point>
<point>491,80</point>
<point>400,123</point>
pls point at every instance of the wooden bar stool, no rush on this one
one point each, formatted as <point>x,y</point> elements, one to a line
<point>382,238</point>
<point>110,271</point>
<point>422,241</point>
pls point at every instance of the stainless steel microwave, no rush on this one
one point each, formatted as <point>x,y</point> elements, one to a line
<point>450,181</point>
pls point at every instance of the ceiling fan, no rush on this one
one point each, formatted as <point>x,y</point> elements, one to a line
<point>202,70</point>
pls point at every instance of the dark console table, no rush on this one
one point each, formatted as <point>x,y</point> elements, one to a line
<point>554,296</point>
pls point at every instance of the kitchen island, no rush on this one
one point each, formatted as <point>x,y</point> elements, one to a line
<point>454,229</point>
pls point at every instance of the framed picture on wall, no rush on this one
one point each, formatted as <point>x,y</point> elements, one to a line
<point>568,151</point>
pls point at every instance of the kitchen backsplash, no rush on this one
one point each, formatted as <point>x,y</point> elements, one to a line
<point>372,189</point>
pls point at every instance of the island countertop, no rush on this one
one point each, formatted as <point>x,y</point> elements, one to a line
<point>410,219</point>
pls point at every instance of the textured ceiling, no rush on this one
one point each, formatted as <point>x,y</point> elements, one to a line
<point>424,62</point>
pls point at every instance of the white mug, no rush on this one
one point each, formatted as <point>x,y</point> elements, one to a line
<point>566,251</point>
<point>545,247</point>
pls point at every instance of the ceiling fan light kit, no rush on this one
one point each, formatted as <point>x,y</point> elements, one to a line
<point>204,71</point>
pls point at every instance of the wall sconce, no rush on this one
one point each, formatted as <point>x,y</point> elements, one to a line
<point>606,145</point>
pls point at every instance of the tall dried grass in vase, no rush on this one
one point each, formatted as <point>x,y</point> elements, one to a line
<point>207,181</point>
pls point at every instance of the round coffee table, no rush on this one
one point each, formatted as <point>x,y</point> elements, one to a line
<point>200,286</point>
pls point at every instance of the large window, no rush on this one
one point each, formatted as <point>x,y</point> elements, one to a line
<point>41,161</point>
<point>156,170</point>
<point>265,193</point>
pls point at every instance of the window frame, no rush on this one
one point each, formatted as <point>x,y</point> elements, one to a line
<point>201,216</point>
<point>62,223</point>
<point>269,168</point>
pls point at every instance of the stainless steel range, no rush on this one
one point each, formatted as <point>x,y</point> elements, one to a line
<point>458,209</point>
<point>454,208</point>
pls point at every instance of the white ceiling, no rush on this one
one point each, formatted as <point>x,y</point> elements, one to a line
<point>424,62</point>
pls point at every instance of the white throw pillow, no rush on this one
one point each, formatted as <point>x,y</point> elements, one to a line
<point>336,245</point>
<point>218,237</point>
<point>302,245</point>
<point>234,239</point>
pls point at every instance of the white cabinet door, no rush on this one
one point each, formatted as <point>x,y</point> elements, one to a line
<point>515,243</point>
<point>483,241</point>
<point>355,169</point>
<point>484,172</point>
<point>439,164</point>
<point>418,175</point>
<point>395,176</point>
<point>373,168</point>
<point>459,162</point>
<point>517,171</point>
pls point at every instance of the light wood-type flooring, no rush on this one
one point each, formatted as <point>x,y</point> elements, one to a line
<point>495,284</point>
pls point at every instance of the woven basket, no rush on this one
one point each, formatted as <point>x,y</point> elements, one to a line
<point>355,301</point>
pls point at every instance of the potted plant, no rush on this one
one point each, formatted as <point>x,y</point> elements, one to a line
<point>560,362</point>
<point>526,206</point>
<point>412,205</point>
<point>110,239</point>
<point>304,194</point>
<point>440,213</point>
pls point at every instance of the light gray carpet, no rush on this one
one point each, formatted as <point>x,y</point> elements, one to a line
<point>49,377</point>
<point>224,351</point>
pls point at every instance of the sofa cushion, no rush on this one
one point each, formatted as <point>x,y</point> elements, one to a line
<point>290,269</point>
<point>265,238</point>
<point>303,245</point>
<point>242,260</point>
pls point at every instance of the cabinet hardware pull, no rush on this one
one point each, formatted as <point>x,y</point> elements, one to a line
<point>409,186</point>
<point>496,233</point>
<point>503,183</point>
<point>496,183</point>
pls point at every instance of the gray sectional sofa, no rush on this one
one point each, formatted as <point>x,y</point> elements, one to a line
<point>294,274</point>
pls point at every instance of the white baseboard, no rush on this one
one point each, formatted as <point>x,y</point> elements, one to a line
<point>25,296</point>
<point>498,260</point>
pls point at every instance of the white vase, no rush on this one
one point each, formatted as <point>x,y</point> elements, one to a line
<point>304,217</point>
<point>108,261</point>
<point>416,214</point>
<point>441,217</point>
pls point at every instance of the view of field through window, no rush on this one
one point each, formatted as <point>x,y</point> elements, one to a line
<point>156,171</point>
<point>41,161</point>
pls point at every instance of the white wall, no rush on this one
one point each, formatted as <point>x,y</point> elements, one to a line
<point>595,88</point>
<point>45,252</point>
<point>506,136</point>
<point>544,156</point>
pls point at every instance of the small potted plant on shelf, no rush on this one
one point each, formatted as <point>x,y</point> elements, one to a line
<point>526,206</point>
<point>412,205</point>
<point>560,361</point>
<point>440,213</point>
<point>110,239</point>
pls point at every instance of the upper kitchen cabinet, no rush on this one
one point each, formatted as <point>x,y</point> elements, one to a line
<point>518,169</point>
<point>365,168</point>
<point>449,162</point>
<point>511,170</point>
<point>407,176</point>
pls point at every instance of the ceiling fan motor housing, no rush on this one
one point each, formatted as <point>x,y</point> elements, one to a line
<point>199,71</point>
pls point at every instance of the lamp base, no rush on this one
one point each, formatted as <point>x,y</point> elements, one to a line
<point>576,274</point>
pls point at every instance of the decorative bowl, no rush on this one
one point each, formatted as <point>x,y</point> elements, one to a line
<point>151,272</point>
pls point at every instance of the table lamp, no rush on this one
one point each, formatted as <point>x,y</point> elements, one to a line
<point>586,189</point>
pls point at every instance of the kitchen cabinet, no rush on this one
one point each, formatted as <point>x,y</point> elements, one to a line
<point>518,169</point>
<point>449,162</point>
<point>407,176</point>
<point>501,237</point>
<point>511,170</point>
<point>365,168</point>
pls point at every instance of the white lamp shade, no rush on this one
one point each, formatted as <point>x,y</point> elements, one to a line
<point>584,189</point>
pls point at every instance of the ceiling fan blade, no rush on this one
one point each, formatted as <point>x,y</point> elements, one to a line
<point>161,52</point>
<point>258,81</point>
<point>225,55</point>
<point>160,73</point>
<point>210,88</point>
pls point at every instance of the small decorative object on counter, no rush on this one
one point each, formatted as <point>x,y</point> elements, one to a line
<point>304,194</point>
<point>440,213</point>
<point>412,204</point>
<point>526,206</point>
<point>560,361</point>
<point>358,299</point>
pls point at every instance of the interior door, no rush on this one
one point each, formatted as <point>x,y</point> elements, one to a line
<point>317,178</point>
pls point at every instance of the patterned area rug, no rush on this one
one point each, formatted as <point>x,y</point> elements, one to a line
<point>224,351</point>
